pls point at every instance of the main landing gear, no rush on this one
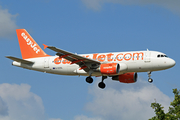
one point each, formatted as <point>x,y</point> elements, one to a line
<point>150,80</point>
<point>102,85</point>
<point>89,79</point>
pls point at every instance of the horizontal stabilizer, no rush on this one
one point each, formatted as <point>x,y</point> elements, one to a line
<point>19,60</point>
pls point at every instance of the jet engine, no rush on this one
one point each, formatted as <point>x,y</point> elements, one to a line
<point>110,68</point>
<point>126,78</point>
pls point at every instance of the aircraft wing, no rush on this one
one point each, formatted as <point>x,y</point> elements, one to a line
<point>74,58</point>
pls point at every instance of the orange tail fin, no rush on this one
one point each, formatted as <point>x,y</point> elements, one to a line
<point>29,48</point>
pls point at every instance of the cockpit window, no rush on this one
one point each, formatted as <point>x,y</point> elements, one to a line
<point>161,56</point>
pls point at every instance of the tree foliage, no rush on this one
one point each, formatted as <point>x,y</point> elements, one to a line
<point>174,109</point>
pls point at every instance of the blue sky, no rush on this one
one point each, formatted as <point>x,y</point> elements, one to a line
<point>84,26</point>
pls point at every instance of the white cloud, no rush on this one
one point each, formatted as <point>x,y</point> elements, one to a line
<point>3,108</point>
<point>168,4</point>
<point>126,101</point>
<point>55,119</point>
<point>116,101</point>
<point>7,23</point>
<point>82,117</point>
<point>18,103</point>
<point>93,4</point>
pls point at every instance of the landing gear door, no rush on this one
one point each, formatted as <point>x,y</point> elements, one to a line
<point>147,57</point>
<point>46,62</point>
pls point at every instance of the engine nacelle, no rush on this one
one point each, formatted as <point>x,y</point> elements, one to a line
<point>126,78</point>
<point>110,68</point>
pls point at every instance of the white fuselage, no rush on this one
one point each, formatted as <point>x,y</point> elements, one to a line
<point>136,61</point>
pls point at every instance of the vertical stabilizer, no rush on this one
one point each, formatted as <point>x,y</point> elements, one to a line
<point>29,48</point>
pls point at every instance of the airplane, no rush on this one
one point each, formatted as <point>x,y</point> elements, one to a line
<point>120,66</point>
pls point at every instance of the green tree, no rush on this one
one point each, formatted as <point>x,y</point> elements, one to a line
<point>174,109</point>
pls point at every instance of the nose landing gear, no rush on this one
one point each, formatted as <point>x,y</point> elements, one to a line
<point>150,80</point>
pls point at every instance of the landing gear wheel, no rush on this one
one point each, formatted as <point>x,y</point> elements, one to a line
<point>102,85</point>
<point>89,80</point>
<point>150,80</point>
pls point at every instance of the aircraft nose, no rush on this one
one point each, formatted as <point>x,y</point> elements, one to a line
<point>172,63</point>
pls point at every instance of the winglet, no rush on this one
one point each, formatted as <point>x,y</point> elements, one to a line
<point>45,46</point>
